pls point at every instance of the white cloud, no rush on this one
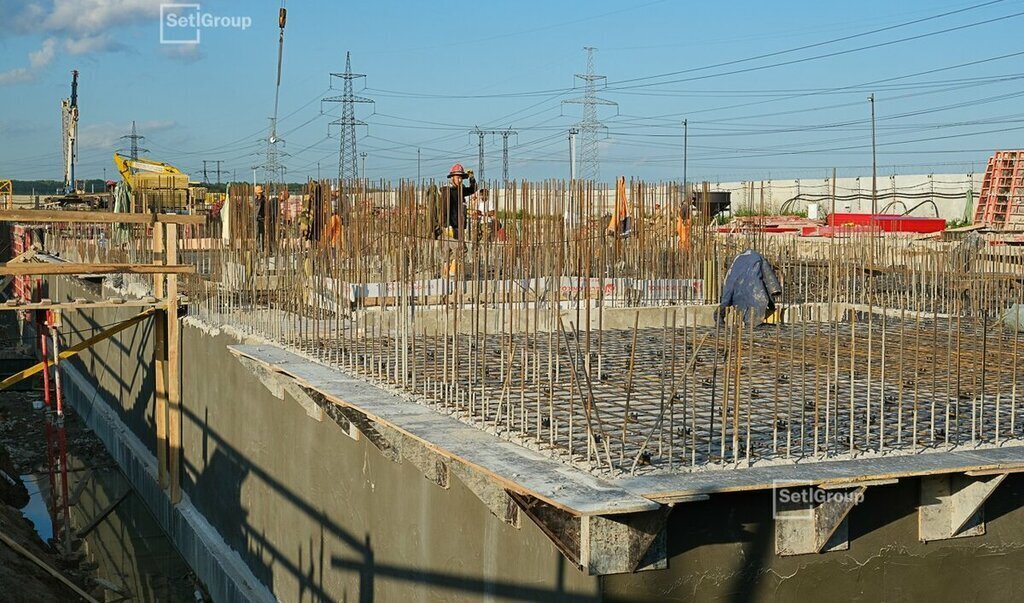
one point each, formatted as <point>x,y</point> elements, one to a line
<point>89,44</point>
<point>44,56</point>
<point>37,60</point>
<point>186,53</point>
<point>83,26</point>
<point>88,17</point>
<point>107,136</point>
<point>15,76</point>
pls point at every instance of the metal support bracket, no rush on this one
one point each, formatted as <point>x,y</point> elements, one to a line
<point>952,505</point>
<point>810,519</point>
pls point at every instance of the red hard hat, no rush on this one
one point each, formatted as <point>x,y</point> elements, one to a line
<point>456,170</point>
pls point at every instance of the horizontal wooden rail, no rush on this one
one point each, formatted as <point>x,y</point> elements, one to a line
<point>56,215</point>
<point>40,268</point>
<point>78,347</point>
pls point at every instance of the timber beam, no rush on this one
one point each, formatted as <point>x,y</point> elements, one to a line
<point>95,217</point>
<point>73,268</point>
<point>81,304</point>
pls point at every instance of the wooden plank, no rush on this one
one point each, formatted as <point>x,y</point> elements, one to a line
<point>160,394</point>
<point>159,259</point>
<point>160,361</point>
<point>84,305</point>
<point>56,215</point>
<point>173,371</point>
<point>44,268</point>
<point>78,347</point>
<point>46,567</point>
<point>21,257</point>
<point>514,467</point>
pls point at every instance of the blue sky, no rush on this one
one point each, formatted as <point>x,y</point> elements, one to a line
<point>947,92</point>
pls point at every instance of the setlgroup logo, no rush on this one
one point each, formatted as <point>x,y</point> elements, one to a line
<point>791,501</point>
<point>183,23</point>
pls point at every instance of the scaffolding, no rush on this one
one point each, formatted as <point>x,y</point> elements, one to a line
<point>1001,203</point>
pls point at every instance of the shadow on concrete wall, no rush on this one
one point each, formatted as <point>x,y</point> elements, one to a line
<point>125,368</point>
<point>217,492</point>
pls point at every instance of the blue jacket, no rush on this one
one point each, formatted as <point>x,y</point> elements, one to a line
<point>750,286</point>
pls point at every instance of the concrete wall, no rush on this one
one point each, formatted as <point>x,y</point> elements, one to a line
<point>903,188</point>
<point>890,188</point>
<point>313,514</point>
<point>318,515</point>
<point>723,550</point>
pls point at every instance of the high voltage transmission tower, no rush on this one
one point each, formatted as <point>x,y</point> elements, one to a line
<point>504,149</point>
<point>133,146</point>
<point>206,178</point>
<point>590,160</point>
<point>348,157</point>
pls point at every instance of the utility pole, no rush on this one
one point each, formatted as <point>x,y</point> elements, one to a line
<point>572,154</point>
<point>569,215</point>
<point>589,125</point>
<point>318,171</point>
<point>686,136</point>
<point>874,165</point>
<point>480,151</point>
<point>363,156</point>
<point>206,179</point>
<point>218,171</point>
<point>347,168</point>
<point>504,152</point>
<point>417,166</point>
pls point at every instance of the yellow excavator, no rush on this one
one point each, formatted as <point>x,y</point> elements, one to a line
<point>158,186</point>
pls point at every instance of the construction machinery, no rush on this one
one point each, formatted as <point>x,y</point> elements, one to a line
<point>69,129</point>
<point>158,186</point>
<point>70,194</point>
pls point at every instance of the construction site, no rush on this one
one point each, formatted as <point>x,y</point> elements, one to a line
<point>512,389</point>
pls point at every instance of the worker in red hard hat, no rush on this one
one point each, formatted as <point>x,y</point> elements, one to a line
<point>453,202</point>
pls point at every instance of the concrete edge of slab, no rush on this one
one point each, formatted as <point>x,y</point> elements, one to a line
<point>833,473</point>
<point>218,566</point>
<point>514,467</point>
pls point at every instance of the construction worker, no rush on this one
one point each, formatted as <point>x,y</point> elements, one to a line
<point>333,230</point>
<point>455,194</point>
<point>260,203</point>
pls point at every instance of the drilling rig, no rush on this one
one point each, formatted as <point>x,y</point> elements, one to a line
<point>69,129</point>
<point>70,195</point>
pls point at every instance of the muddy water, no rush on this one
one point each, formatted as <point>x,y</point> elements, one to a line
<point>35,511</point>
<point>133,558</point>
